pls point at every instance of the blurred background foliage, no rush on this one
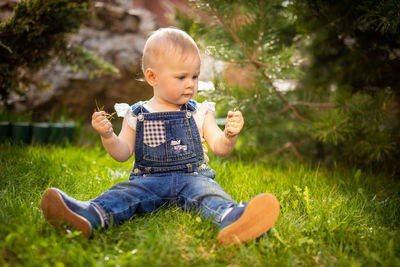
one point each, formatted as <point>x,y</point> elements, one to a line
<point>318,80</point>
<point>341,60</point>
<point>38,32</point>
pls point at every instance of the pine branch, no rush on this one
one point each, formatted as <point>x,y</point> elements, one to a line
<point>287,146</point>
<point>230,30</point>
<point>284,100</point>
<point>286,108</point>
<point>332,23</point>
<point>296,152</point>
<point>373,111</point>
<point>249,61</point>
<point>314,105</point>
<point>254,61</point>
<point>226,93</point>
<point>260,30</point>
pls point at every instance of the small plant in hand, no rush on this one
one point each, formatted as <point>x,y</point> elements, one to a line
<point>108,116</point>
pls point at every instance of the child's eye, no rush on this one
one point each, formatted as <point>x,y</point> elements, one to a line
<point>195,77</point>
<point>181,77</point>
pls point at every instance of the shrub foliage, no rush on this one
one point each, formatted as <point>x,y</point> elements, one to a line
<point>37,32</point>
<point>343,59</point>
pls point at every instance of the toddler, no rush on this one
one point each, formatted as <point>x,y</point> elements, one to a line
<point>166,133</point>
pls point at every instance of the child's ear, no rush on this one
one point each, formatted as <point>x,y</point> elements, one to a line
<point>150,76</point>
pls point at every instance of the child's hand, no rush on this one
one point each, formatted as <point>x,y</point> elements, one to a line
<point>101,124</point>
<point>234,123</point>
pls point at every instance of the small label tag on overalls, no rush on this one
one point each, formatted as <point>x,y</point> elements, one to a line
<point>177,147</point>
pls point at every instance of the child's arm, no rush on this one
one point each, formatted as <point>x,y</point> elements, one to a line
<point>220,142</point>
<point>119,147</point>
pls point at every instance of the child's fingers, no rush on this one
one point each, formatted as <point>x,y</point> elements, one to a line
<point>236,128</point>
<point>104,123</point>
<point>100,122</point>
<point>234,123</point>
<point>237,114</point>
<point>101,117</point>
<point>231,131</point>
<point>230,123</point>
<point>98,115</point>
<point>104,128</point>
<point>234,113</point>
<point>235,119</point>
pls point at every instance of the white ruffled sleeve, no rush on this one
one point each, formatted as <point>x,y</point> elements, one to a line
<point>199,116</point>
<point>124,110</point>
<point>201,112</point>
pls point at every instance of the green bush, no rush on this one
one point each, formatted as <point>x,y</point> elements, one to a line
<point>344,58</point>
<point>37,32</point>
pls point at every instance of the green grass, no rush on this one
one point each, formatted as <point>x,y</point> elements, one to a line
<point>329,217</point>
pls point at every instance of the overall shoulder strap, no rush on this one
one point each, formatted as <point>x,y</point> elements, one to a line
<point>136,107</point>
<point>192,105</point>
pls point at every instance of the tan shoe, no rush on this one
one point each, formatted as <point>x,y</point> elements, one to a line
<point>246,223</point>
<point>58,207</point>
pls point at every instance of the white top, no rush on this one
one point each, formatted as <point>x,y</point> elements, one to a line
<point>125,110</point>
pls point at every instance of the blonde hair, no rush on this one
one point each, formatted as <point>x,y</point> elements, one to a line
<point>166,40</point>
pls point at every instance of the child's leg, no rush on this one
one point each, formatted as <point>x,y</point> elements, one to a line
<point>237,223</point>
<point>141,195</point>
<point>203,194</point>
<point>117,204</point>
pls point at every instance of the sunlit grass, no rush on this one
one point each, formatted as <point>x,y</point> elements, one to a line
<point>329,217</point>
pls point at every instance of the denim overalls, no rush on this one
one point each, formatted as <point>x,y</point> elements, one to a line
<point>169,166</point>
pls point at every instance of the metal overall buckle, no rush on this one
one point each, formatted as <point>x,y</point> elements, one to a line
<point>140,116</point>
<point>188,114</point>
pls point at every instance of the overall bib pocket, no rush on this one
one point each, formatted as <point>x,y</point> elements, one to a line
<point>167,141</point>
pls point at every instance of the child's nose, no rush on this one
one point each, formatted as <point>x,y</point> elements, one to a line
<point>189,83</point>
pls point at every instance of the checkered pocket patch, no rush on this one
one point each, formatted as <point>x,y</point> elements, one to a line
<point>154,133</point>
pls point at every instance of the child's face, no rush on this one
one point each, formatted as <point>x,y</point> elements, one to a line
<point>177,78</point>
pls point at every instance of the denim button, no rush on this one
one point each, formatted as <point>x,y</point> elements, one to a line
<point>140,117</point>
<point>188,114</point>
<point>136,170</point>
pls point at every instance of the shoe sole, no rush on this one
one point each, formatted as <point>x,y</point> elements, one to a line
<point>56,211</point>
<point>259,216</point>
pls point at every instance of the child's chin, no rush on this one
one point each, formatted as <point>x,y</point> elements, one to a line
<point>185,99</point>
